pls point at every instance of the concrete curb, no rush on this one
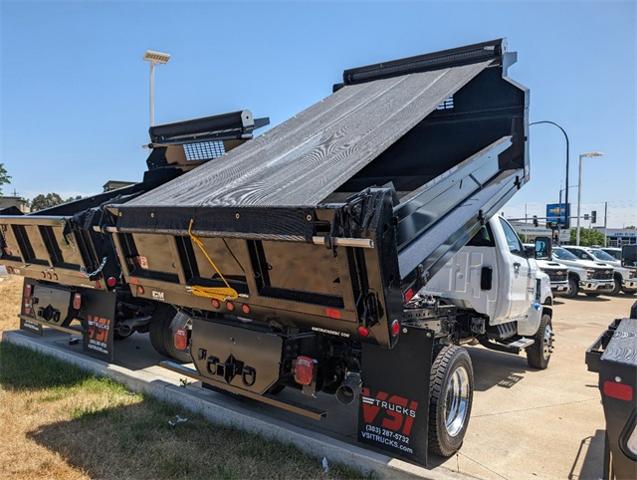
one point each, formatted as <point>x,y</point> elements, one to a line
<point>195,400</point>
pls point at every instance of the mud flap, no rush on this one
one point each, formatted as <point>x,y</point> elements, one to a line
<point>32,327</point>
<point>98,308</point>
<point>393,412</point>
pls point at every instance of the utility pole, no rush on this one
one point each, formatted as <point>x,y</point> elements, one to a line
<point>605,223</point>
<point>566,187</point>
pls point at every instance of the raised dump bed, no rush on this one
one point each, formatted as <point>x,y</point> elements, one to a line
<point>72,275</point>
<point>339,212</point>
<point>296,255</point>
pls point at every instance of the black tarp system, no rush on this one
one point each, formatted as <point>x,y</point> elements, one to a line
<point>301,161</point>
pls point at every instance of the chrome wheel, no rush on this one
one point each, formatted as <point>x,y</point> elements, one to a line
<point>457,396</point>
<point>547,347</point>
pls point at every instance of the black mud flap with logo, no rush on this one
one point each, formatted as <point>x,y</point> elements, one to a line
<point>98,324</point>
<point>31,326</point>
<point>393,413</point>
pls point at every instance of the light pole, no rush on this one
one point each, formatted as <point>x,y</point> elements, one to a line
<point>154,58</point>
<point>549,122</point>
<point>579,186</point>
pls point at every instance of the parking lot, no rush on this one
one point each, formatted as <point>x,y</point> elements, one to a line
<point>542,424</point>
<point>525,423</point>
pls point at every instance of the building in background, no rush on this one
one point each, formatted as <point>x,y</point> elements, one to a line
<point>616,237</point>
<point>17,202</point>
<point>528,232</point>
<point>115,184</point>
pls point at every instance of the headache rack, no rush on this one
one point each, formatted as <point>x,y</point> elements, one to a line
<point>61,244</point>
<point>329,220</point>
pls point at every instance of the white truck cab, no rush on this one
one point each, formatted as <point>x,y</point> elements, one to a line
<point>558,273</point>
<point>493,277</point>
<point>624,279</point>
<point>587,276</point>
<point>614,252</point>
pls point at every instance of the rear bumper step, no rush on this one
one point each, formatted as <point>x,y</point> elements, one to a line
<point>313,413</point>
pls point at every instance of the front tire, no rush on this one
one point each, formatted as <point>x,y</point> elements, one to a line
<point>539,354</point>
<point>451,398</point>
<point>573,288</point>
<point>617,285</point>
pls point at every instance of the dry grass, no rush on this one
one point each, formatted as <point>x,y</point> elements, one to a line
<point>10,294</point>
<point>57,421</point>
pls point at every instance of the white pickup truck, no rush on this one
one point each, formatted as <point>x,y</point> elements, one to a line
<point>587,276</point>
<point>558,273</point>
<point>514,302</point>
<point>624,279</point>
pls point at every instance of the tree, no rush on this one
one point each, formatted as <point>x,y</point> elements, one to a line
<point>588,237</point>
<point>43,201</point>
<point>4,177</point>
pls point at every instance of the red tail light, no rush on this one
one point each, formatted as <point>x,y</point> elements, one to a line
<point>395,328</point>
<point>140,290</point>
<point>111,281</point>
<point>230,306</point>
<point>304,370</point>
<point>77,301</point>
<point>215,303</point>
<point>620,391</point>
<point>333,313</point>
<point>28,301</point>
<point>363,331</point>
<point>180,339</point>
<point>245,308</point>
<point>408,295</point>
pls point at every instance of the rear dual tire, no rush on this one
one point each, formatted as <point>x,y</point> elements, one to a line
<point>162,327</point>
<point>451,397</point>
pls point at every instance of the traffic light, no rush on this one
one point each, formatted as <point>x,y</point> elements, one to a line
<point>535,222</point>
<point>594,216</point>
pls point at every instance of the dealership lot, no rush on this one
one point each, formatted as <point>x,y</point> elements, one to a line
<point>550,422</point>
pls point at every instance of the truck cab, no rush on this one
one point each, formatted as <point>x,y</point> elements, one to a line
<point>624,279</point>
<point>587,276</point>
<point>558,273</point>
<point>495,277</point>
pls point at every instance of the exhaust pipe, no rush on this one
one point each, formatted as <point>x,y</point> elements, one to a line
<point>347,392</point>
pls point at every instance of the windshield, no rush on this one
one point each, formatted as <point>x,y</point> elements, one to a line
<point>564,254</point>
<point>615,253</point>
<point>602,255</point>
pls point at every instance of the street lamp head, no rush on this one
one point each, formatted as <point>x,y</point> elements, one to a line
<point>592,154</point>
<point>156,57</point>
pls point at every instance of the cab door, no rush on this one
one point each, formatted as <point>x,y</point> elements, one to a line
<point>518,270</point>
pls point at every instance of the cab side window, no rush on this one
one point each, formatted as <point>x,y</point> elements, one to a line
<point>580,254</point>
<point>484,238</point>
<point>513,241</point>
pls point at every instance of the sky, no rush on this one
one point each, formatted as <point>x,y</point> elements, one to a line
<point>74,88</point>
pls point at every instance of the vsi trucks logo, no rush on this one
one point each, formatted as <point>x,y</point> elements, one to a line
<point>390,411</point>
<point>386,422</point>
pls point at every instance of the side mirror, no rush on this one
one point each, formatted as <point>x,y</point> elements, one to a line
<point>629,256</point>
<point>543,248</point>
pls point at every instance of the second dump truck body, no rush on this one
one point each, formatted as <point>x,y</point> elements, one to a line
<point>299,256</point>
<point>71,270</point>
